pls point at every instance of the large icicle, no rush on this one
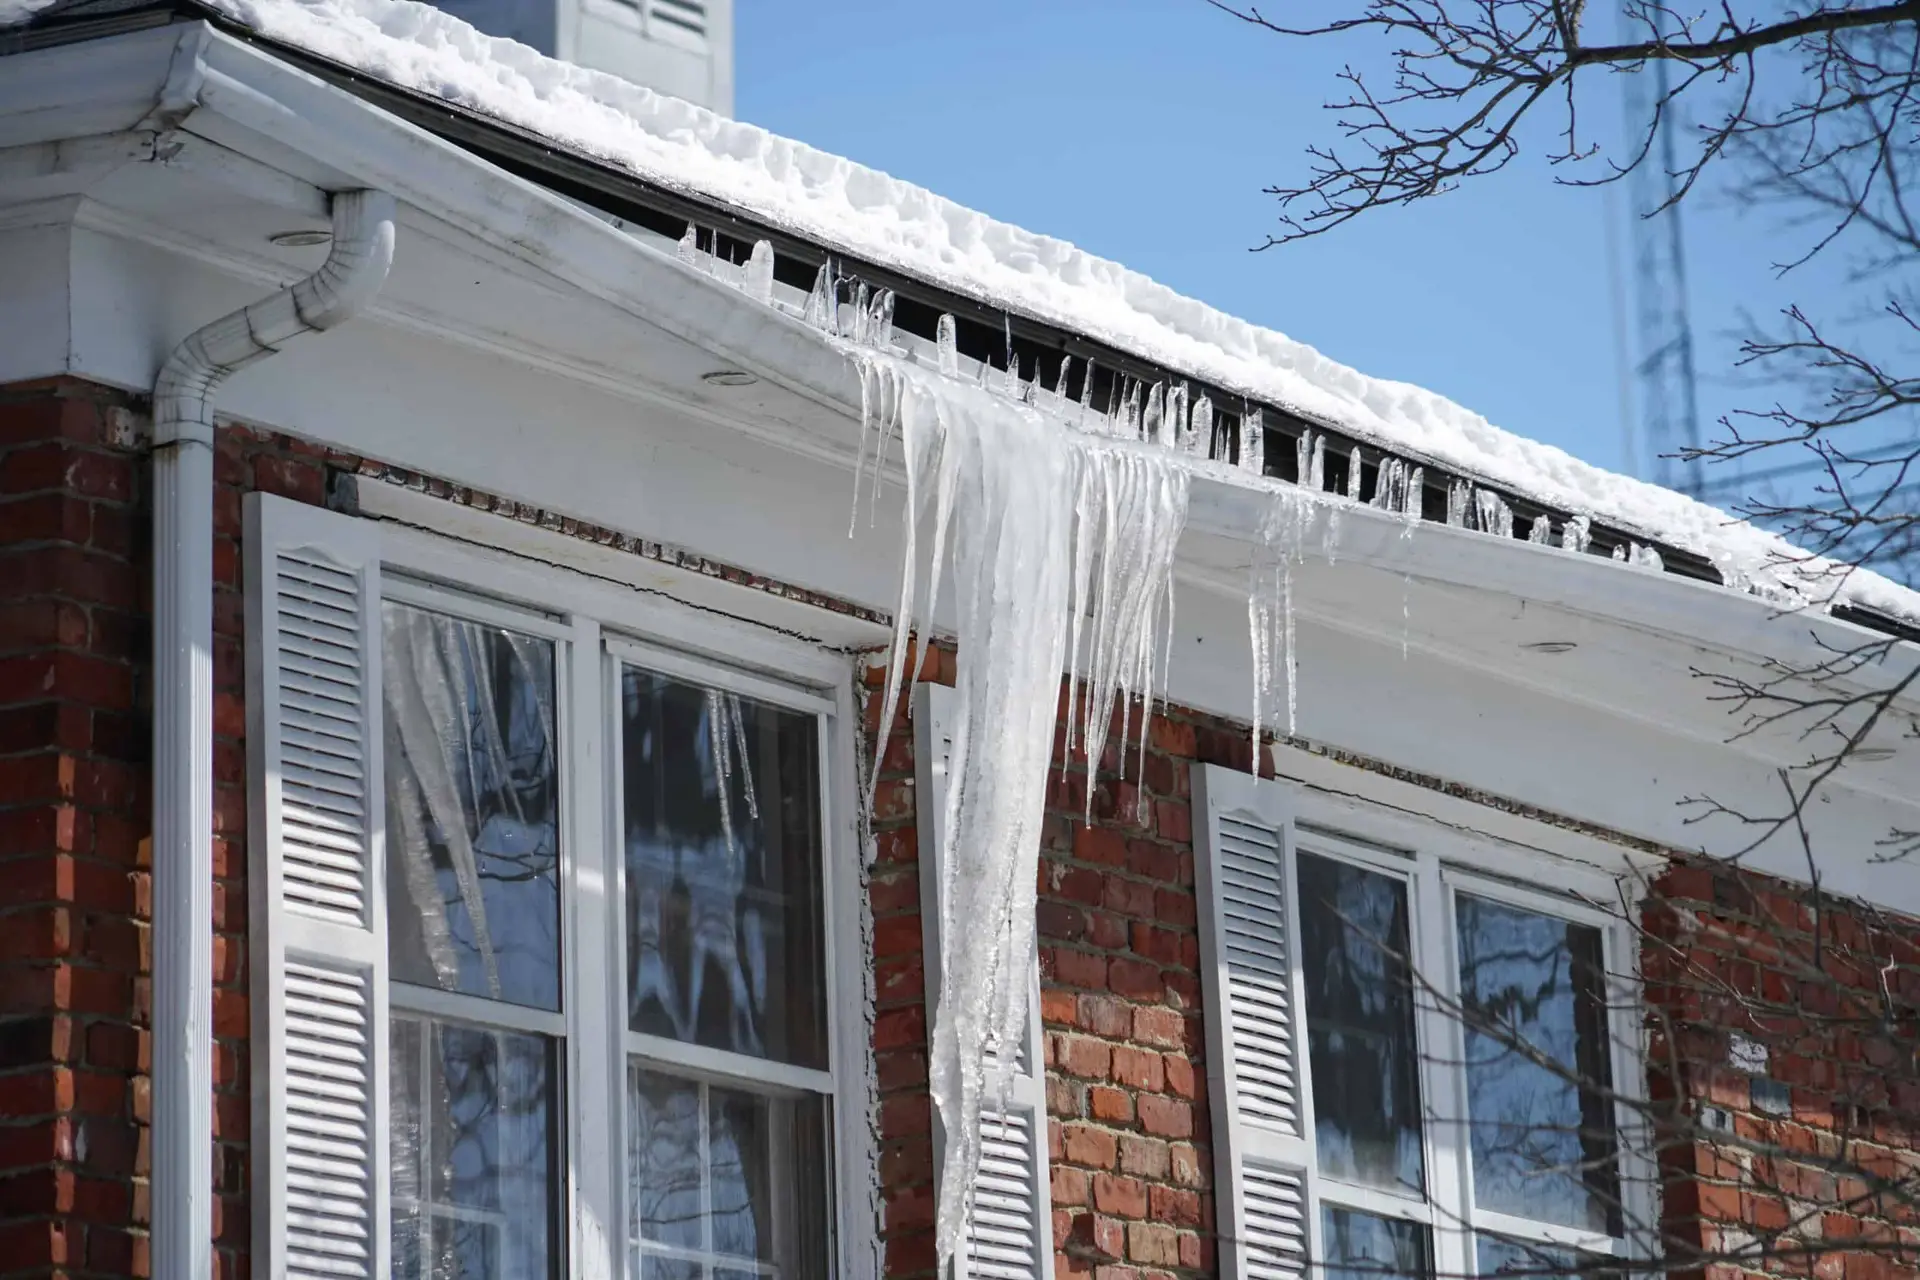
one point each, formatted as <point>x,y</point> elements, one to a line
<point>1060,545</point>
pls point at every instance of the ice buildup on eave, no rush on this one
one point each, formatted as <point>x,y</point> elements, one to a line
<point>887,223</point>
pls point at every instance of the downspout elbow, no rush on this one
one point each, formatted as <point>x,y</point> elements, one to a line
<point>183,488</point>
<point>355,270</point>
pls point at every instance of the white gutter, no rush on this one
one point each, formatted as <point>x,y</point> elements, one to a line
<point>182,1172</point>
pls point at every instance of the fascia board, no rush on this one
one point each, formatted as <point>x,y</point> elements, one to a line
<point>78,90</point>
<point>1700,613</point>
<point>252,89</point>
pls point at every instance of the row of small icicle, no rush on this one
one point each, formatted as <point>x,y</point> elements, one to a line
<point>1162,413</point>
<point>1060,546</point>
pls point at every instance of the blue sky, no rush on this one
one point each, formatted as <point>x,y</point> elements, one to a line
<point>1144,130</point>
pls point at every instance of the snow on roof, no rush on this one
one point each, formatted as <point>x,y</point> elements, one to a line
<point>869,215</point>
<point>13,12</point>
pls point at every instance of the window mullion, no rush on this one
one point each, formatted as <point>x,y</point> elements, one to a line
<point>1442,1075</point>
<point>594,1219</point>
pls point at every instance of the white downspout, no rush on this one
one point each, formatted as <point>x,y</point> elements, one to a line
<point>182,1167</point>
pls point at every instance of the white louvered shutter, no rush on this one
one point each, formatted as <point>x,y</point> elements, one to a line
<point>318,887</point>
<point>1256,1048</point>
<point>1010,1229</point>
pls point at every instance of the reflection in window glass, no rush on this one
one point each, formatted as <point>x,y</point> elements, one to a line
<point>723,861</point>
<point>1533,999</point>
<point>472,808</point>
<point>724,1180</point>
<point>474,1164</point>
<point>1366,1091</point>
<point>1364,1246</point>
<point>1496,1256</point>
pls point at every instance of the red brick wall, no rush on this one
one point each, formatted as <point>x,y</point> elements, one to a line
<point>1806,1163</point>
<point>1120,1000</point>
<point>1832,994</point>
<point>75,782</point>
<point>74,886</point>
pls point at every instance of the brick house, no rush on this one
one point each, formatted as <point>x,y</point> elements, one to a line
<point>421,753</point>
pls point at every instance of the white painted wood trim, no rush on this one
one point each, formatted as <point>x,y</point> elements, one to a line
<point>649,601</point>
<point>280,935</point>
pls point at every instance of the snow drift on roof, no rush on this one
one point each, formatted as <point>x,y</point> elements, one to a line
<point>869,215</point>
<point>13,12</point>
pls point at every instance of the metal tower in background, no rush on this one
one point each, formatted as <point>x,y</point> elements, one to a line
<point>1663,368</point>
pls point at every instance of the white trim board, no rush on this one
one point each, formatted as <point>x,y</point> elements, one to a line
<point>488,534</point>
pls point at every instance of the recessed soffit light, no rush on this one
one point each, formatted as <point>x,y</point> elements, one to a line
<point>299,239</point>
<point>728,378</point>
<point>1872,755</point>
<point>1549,646</point>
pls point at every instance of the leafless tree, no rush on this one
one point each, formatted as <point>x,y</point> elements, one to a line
<point>1784,1030</point>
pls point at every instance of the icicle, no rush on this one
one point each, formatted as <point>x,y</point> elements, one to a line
<point>1353,475</point>
<point>1493,513</point>
<point>1199,436</point>
<point>759,276</point>
<point>820,304</point>
<point>1384,483</point>
<point>860,319</point>
<point>689,250</point>
<point>880,320</point>
<point>1459,503</point>
<point>1176,416</point>
<point>1060,385</point>
<point>1412,500</point>
<point>1059,539</point>
<point>1302,457</point>
<point>1130,410</point>
<point>1253,442</point>
<point>1330,538</point>
<point>1270,607</point>
<point>1317,465</point>
<point>1541,532</point>
<point>1620,552</point>
<point>1577,534</point>
<point>1647,558</point>
<point>1153,413</point>
<point>947,344</point>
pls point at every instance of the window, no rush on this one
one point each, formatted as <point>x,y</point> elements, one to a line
<point>583,1019</point>
<point>473,761</point>
<point>719,797</point>
<point>1419,1059</point>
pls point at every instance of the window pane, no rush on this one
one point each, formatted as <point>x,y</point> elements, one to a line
<point>1533,998</point>
<point>723,854</point>
<point>665,1160</point>
<point>1363,1246</point>
<point>475,1169</point>
<point>657,1266</point>
<point>473,833</point>
<point>726,1179</point>
<point>1501,1257</point>
<point>1366,1081</point>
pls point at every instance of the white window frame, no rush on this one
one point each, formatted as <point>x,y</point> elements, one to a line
<point>591,621</point>
<point>1440,846</point>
